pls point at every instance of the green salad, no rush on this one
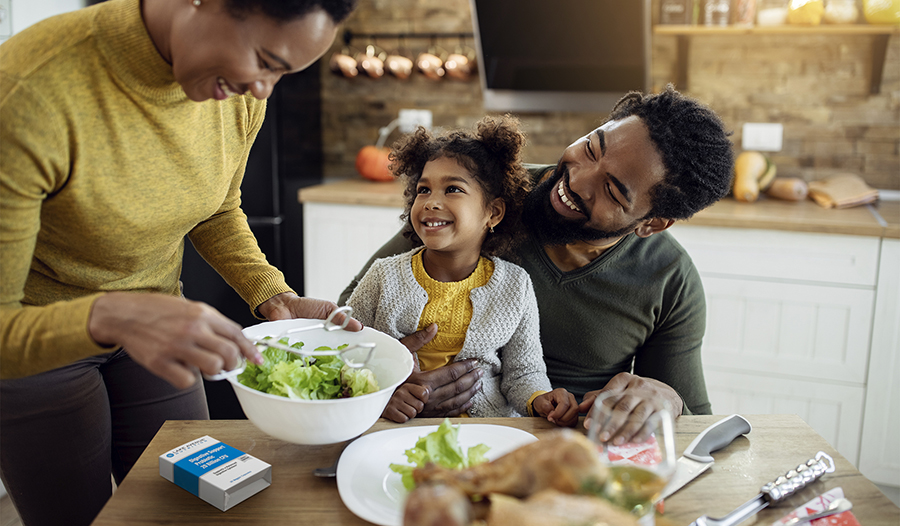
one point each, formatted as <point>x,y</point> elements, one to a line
<point>440,447</point>
<point>306,377</point>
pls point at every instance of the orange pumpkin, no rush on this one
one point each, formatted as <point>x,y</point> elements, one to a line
<point>372,163</point>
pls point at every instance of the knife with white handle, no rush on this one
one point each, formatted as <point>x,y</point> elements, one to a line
<point>697,459</point>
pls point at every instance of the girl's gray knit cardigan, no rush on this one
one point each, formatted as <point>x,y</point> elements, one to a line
<point>503,335</point>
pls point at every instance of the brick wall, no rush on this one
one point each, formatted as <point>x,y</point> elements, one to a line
<point>815,85</point>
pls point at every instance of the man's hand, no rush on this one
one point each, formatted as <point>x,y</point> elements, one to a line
<point>634,399</point>
<point>287,306</point>
<point>558,406</point>
<point>445,391</point>
<point>417,340</point>
<point>170,336</point>
<point>450,388</point>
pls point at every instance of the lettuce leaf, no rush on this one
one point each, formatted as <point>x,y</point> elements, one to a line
<point>440,447</point>
<point>306,378</point>
<point>358,381</point>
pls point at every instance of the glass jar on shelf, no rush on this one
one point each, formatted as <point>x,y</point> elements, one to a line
<point>678,12</point>
<point>771,13</point>
<point>840,12</point>
<point>805,12</point>
<point>882,11</point>
<point>716,12</point>
<point>744,12</point>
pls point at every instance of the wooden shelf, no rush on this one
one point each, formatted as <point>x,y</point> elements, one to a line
<point>830,29</point>
<point>881,34</point>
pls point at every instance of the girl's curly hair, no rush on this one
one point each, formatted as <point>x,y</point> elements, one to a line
<point>491,152</point>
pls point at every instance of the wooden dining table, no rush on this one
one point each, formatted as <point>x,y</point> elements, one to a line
<point>296,497</point>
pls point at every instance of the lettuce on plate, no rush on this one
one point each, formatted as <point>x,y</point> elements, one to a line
<point>440,447</point>
<point>305,377</point>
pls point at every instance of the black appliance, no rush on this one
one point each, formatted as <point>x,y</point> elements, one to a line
<point>286,156</point>
<point>568,55</point>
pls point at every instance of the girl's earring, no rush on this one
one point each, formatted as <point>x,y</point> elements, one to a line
<point>492,229</point>
<point>196,3</point>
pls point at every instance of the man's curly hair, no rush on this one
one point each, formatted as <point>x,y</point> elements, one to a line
<point>694,146</point>
<point>491,152</point>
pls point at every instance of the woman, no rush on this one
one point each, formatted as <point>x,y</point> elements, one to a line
<point>126,126</point>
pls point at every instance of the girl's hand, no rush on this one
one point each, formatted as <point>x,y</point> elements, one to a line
<point>287,305</point>
<point>558,406</point>
<point>407,401</point>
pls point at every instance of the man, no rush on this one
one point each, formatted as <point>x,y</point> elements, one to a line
<point>621,303</point>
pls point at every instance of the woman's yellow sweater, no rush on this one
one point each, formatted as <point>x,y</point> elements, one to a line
<point>105,167</point>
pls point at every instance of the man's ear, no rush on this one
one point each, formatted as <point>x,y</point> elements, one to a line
<point>653,226</point>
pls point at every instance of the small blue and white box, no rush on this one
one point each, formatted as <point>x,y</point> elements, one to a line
<point>216,472</point>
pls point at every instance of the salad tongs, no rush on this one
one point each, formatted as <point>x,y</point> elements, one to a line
<point>328,325</point>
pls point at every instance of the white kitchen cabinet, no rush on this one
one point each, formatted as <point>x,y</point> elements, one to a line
<point>879,457</point>
<point>338,239</point>
<point>789,324</point>
<point>832,409</point>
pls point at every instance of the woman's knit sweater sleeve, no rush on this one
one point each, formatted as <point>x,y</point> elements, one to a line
<point>226,242</point>
<point>34,164</point>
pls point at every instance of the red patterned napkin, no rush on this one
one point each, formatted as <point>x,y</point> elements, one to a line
<point>818,504</point>
<point>646,453</point>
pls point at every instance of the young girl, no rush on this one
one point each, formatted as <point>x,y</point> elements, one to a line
<point>463,202</point>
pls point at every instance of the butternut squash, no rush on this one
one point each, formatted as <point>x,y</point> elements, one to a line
<point>788,188</point>
<point>753,171</point>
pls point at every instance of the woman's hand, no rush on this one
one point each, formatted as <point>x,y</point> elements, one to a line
<point>635,399</point>
<point>558,406</point>
<point>170,336</point>
<point>287,306</point>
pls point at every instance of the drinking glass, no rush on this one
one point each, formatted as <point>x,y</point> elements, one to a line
<point>641,466</point>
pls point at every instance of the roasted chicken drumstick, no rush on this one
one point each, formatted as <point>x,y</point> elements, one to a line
<point>565,461</point>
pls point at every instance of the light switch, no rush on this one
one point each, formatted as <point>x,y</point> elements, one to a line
<point>762,136</point>
<point>410,119</point>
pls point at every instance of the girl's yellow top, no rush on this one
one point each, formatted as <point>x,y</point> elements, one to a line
<point>450,307</point>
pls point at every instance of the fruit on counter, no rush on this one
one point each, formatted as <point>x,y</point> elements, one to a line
<point>788,188</point>
<point>753,172</point>
<point>372,163</point>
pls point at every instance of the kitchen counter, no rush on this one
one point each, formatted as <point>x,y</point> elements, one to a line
<point>881,219</point>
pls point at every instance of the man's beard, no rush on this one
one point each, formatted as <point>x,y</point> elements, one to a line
<point>550,227</point>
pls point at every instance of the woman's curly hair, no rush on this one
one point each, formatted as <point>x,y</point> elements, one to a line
<point>694,146</point>
<point>491,152</point>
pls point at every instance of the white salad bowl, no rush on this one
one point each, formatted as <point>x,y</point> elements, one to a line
<point>316,422</point>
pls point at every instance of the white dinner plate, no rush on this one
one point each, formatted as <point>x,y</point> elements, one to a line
<point>374,493</point>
